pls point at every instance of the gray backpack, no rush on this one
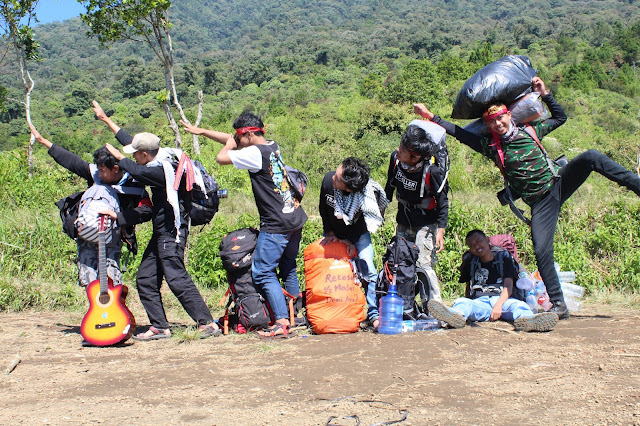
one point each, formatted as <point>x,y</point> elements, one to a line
<point>94,200</point>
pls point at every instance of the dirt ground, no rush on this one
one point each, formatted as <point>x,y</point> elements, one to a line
<point>586,371</point>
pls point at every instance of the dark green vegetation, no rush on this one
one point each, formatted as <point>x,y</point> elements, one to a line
<point>331,79</point>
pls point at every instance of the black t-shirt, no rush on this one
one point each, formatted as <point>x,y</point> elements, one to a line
<point>330,222</point>
<point>279,211</point>
<point>417,211</point>
<point>485,278</point>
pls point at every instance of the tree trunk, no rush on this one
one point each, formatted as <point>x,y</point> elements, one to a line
<point>28,83</point>
<point>196,141</point>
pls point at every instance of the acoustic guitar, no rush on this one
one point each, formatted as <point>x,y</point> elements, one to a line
<point>108,320</point>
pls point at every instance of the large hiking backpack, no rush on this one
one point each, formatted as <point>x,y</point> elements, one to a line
<point>94,200</point>
<point>250,310</point>
<point>334,301</point>
<point>441,153</point>
<point>409,280</point>
<point>204,201</point>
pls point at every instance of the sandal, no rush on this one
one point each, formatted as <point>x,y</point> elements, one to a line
<point>285,332</point>
<point>156,334</point>
<point>210,330</point>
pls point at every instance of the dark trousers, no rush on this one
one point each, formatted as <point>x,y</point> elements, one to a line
<point>164,258</point>
<point>544,214</point>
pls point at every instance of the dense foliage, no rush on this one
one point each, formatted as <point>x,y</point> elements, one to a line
<point>331,79</point>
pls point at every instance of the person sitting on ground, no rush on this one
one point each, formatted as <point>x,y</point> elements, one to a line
<point>423,205</point>
<point>540,183</point>
<point>350,212</point>
<point>164,255</point>
<point>134,201</point>
<point>281,215</point>
<point>488,292</point>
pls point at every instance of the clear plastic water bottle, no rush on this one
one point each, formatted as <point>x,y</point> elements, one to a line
<point>572,290</point>
<point>524,281</point>
<point>391,312</point>
<point>544,302</point>
<point>573,305</point>
<point>567,276</point>
<point>420,325</point>
<point>532,301</point>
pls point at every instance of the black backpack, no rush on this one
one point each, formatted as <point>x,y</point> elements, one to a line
<point>250,310</point>
<point>409,280</point>
<point>204,201</point>
<point>69,207</point>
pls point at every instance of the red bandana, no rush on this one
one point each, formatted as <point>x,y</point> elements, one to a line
<point>494,112</point>
<point>242,130</point>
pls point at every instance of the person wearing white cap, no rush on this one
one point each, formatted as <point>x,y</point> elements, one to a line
<point>164,256</point>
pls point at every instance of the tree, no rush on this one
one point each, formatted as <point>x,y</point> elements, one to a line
<point>148,21</point>
<point>15,20</point>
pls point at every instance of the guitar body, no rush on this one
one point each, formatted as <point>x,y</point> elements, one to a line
<point>108,320</point>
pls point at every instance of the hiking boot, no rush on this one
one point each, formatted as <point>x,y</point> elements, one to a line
<point>560,309</point>
<point>443,313</point>
<point>539,322</point>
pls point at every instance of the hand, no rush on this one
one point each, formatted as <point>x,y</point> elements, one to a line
<point>538,86</point>
<point>190,128</point>
<point>422,111</point>
<point>351,249</point>
<point>113,215</point>
<point>98,111</point>
<point>231,143</point>
<point>38,137</point>
<point>439,240</point>
<point>114,151</point>
<point>496,312</point>
<point>329,238</point>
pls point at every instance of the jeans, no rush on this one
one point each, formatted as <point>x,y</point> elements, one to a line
<point>480,309</point>
<point>368,270</point>
<point>425,239</point>
<point>164,258</point>
<point>277,251</point>
<point>544,213</point>
<point>88,260</point>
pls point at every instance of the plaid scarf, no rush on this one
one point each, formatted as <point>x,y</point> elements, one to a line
<point>350,203</point>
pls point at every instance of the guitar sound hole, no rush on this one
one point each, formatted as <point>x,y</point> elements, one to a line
<point>104,298</point>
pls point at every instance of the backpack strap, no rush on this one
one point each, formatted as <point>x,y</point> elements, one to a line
<point>528,129</point>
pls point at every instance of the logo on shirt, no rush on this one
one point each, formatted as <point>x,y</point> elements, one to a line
<point>407,183</point>
<point>331,201</point>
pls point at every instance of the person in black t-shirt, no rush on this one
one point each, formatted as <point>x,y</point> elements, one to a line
<point>423,205</point>
<point>281,215</point>
<point>490,279</point>
<point>350,212</point>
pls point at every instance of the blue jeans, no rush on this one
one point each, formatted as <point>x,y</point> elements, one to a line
<point>369,273</point>
<point>277,251</point>
<point>480,309</point>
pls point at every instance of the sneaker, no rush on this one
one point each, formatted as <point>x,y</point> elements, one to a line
<point>443,313</point>
<point>560,309</point>
<point>539,322</point>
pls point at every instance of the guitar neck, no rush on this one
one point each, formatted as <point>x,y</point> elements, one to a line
<point>102,257</point>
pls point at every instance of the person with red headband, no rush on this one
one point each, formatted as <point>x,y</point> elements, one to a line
<point>541,184</point>
<point>423,204</point>
<point>281,215</point>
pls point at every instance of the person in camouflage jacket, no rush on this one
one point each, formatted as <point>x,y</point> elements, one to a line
<point>541,184</point>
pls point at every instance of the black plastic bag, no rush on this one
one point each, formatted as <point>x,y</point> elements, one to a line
<point>504,80</point>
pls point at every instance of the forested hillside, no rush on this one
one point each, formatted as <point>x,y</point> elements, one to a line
<point>335,78</point>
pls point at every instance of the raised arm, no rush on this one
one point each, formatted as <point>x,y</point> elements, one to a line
<point>470,139</point>
<point>220,137</point>
<point>66,159</point>
<point>100,115</point>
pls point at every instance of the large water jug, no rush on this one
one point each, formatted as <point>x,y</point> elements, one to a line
<point>391,312</point>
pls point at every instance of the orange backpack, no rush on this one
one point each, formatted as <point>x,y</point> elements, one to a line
<point>335,301</point>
